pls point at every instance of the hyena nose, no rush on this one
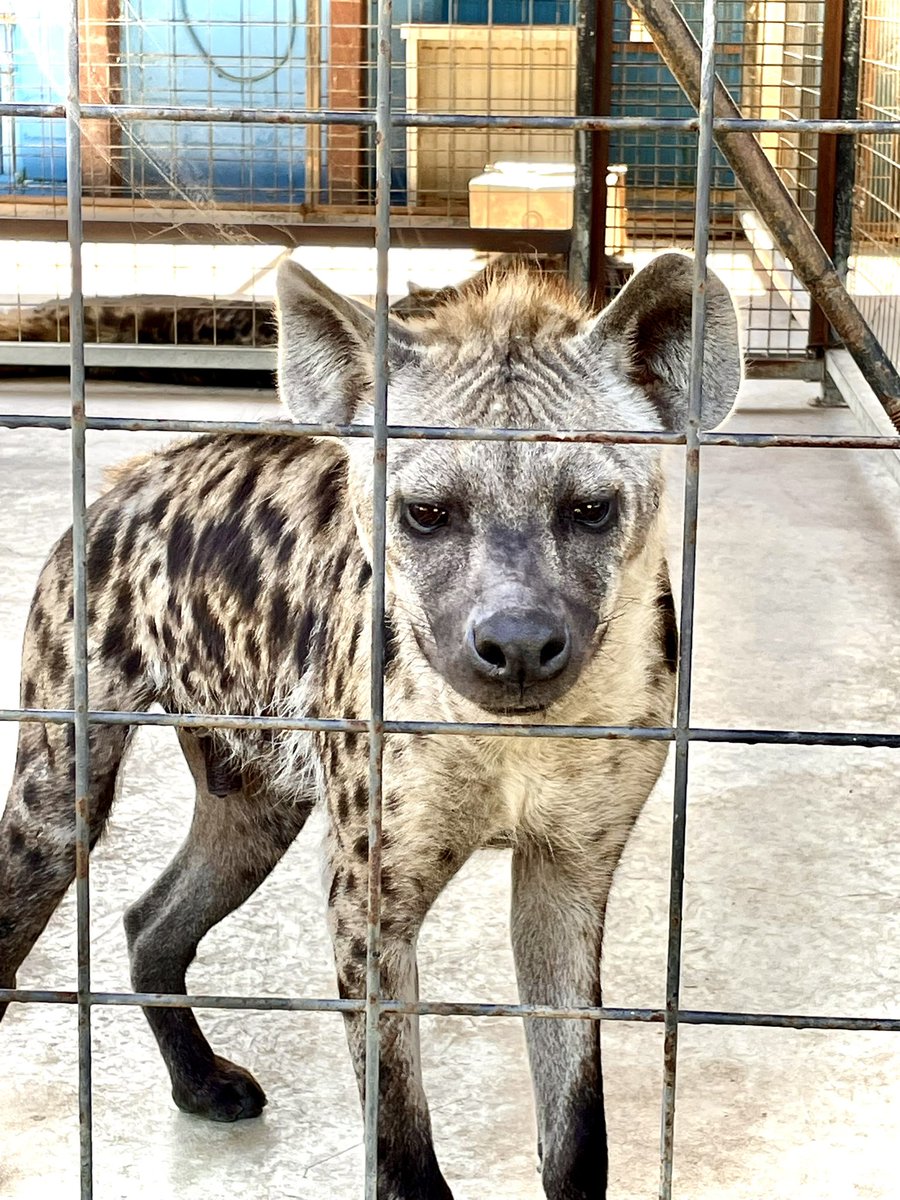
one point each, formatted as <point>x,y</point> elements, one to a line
<point>519,647</point>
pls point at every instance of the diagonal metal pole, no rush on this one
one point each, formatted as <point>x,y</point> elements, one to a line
<point>774,203</point>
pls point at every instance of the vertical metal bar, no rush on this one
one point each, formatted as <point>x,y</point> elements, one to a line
<point>846,150</point>
<point>826,164</point>
<point>603,67</point>
<point>688,581</point>
<point>584,146</point>
<point>379,480</point>
<point>79,586</point>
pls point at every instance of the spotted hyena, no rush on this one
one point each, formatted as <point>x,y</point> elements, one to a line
<point>526,583</point>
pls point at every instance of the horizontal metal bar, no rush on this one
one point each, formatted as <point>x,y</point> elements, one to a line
<point>127,224</point>
<point>655,733</point>
<point>363,117</point>
<point>446,1008</point>
<point>121,354</point>
<point>438,433</point>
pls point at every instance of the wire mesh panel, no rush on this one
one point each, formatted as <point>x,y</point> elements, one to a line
<point>875,275</point>
<point>490,189</point>
<point>376,1008</point>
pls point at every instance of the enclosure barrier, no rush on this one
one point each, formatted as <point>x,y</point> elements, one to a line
<point>376,1006</point>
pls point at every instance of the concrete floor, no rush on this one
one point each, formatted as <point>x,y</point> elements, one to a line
<point>793,881</point>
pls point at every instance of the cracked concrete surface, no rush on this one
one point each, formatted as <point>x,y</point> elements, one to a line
<point>793,882</point>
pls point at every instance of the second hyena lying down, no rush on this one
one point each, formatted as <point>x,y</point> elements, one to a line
<point>526,582</point>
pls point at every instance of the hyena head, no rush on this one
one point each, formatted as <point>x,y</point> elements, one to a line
<point>506,560</point>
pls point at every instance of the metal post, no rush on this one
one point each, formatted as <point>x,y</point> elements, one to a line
<point>79,586</point>
<point>379,481</point>
<point>846,149</point>
<point>688,575</point>
<point>584,146</point>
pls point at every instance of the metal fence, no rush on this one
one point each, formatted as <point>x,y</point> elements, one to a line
<point>875,263</point>
<point>376,1006</point>
<point>264,184</point>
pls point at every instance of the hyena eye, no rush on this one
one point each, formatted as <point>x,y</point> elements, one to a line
<point>594,514</point>
<point>425,518</point>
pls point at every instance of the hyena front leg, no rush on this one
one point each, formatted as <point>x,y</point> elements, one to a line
<point>413,874</point>
<point>559,902</point>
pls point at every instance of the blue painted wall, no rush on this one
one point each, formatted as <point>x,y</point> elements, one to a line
<point>34,152</point>
<point>167,59</point>
<point>163,64</point>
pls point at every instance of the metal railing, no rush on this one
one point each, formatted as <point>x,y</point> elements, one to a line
<point>682,733</point>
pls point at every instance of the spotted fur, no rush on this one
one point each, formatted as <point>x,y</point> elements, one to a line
<point>233,574</point>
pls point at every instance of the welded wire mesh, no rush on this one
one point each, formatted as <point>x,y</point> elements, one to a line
<point>245,182</point>
<point>377,1007</point>
<point>875,265</point>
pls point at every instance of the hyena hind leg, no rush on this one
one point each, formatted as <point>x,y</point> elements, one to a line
<point>236,837</point>
<point>37,830</point>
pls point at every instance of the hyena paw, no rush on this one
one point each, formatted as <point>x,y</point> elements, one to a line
<point>226,1093</point>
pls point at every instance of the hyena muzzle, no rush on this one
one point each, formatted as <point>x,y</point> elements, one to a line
<point>526,583</point>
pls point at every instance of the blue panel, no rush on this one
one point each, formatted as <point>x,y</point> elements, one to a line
<point>229,53</point>
<point>33,158</point>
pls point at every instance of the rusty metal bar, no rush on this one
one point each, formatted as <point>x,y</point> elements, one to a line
<point>771,199</point>
<point>379,523</point>
<point>688,589</point>
<point>455,1008</point>
<point>660,733</point>
<point>443,433</point>
<point>81,797</point>
<point>733,122</point>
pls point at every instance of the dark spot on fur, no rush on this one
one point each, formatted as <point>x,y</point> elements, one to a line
<point>279,610</point>
<point>180,547</point>
<point>245,489</point>
<point>354,640</point>
<point>159,508</point>
<point>225,550</point>
<point>28,693</point>
<point>447,856</point>
<point>16,839</point>
<point>101,552</point>
<point>214,481</point>
<point>129,537</point>
<point>342,808</point>
<point>361,796</point>
<point>133,665</point>
<point>31,796</point>
<point>328,494</point>
<point>58,664</point>
<point>365,574</point>
<point>333,890</point>
<point>350,882</point>
<point>302,640</point>
<point>361,847</point>
<point>339,566</point>
<point>286,549</point>
<point>669,627</point>
<point>212,636</point>
<point>390,642</point>
<point>168,638</point>
<point>357,949</point>
<point>271,522</point>
<point>35,859</point>
<point>115,639</point>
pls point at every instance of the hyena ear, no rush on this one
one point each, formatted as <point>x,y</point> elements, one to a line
<point>649,323</point>
<point>326,348</point>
